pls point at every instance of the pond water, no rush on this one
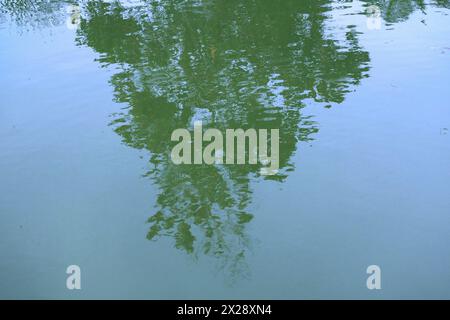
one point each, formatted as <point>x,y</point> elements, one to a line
<point>90,92</point>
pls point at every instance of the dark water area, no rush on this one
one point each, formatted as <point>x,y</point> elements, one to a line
<point>91,91</point>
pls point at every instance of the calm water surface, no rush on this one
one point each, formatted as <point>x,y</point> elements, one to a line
<point>90,92</point>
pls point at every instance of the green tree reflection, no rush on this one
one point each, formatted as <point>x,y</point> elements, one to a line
<point>234,64</point>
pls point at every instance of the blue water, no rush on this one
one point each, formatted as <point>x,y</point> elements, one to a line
<point>365,181</point>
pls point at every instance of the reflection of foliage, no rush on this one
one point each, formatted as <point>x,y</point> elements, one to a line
<point>393,11</point>
<point>33,13</point>
<point>243,64</point>
<point>199,202</point>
